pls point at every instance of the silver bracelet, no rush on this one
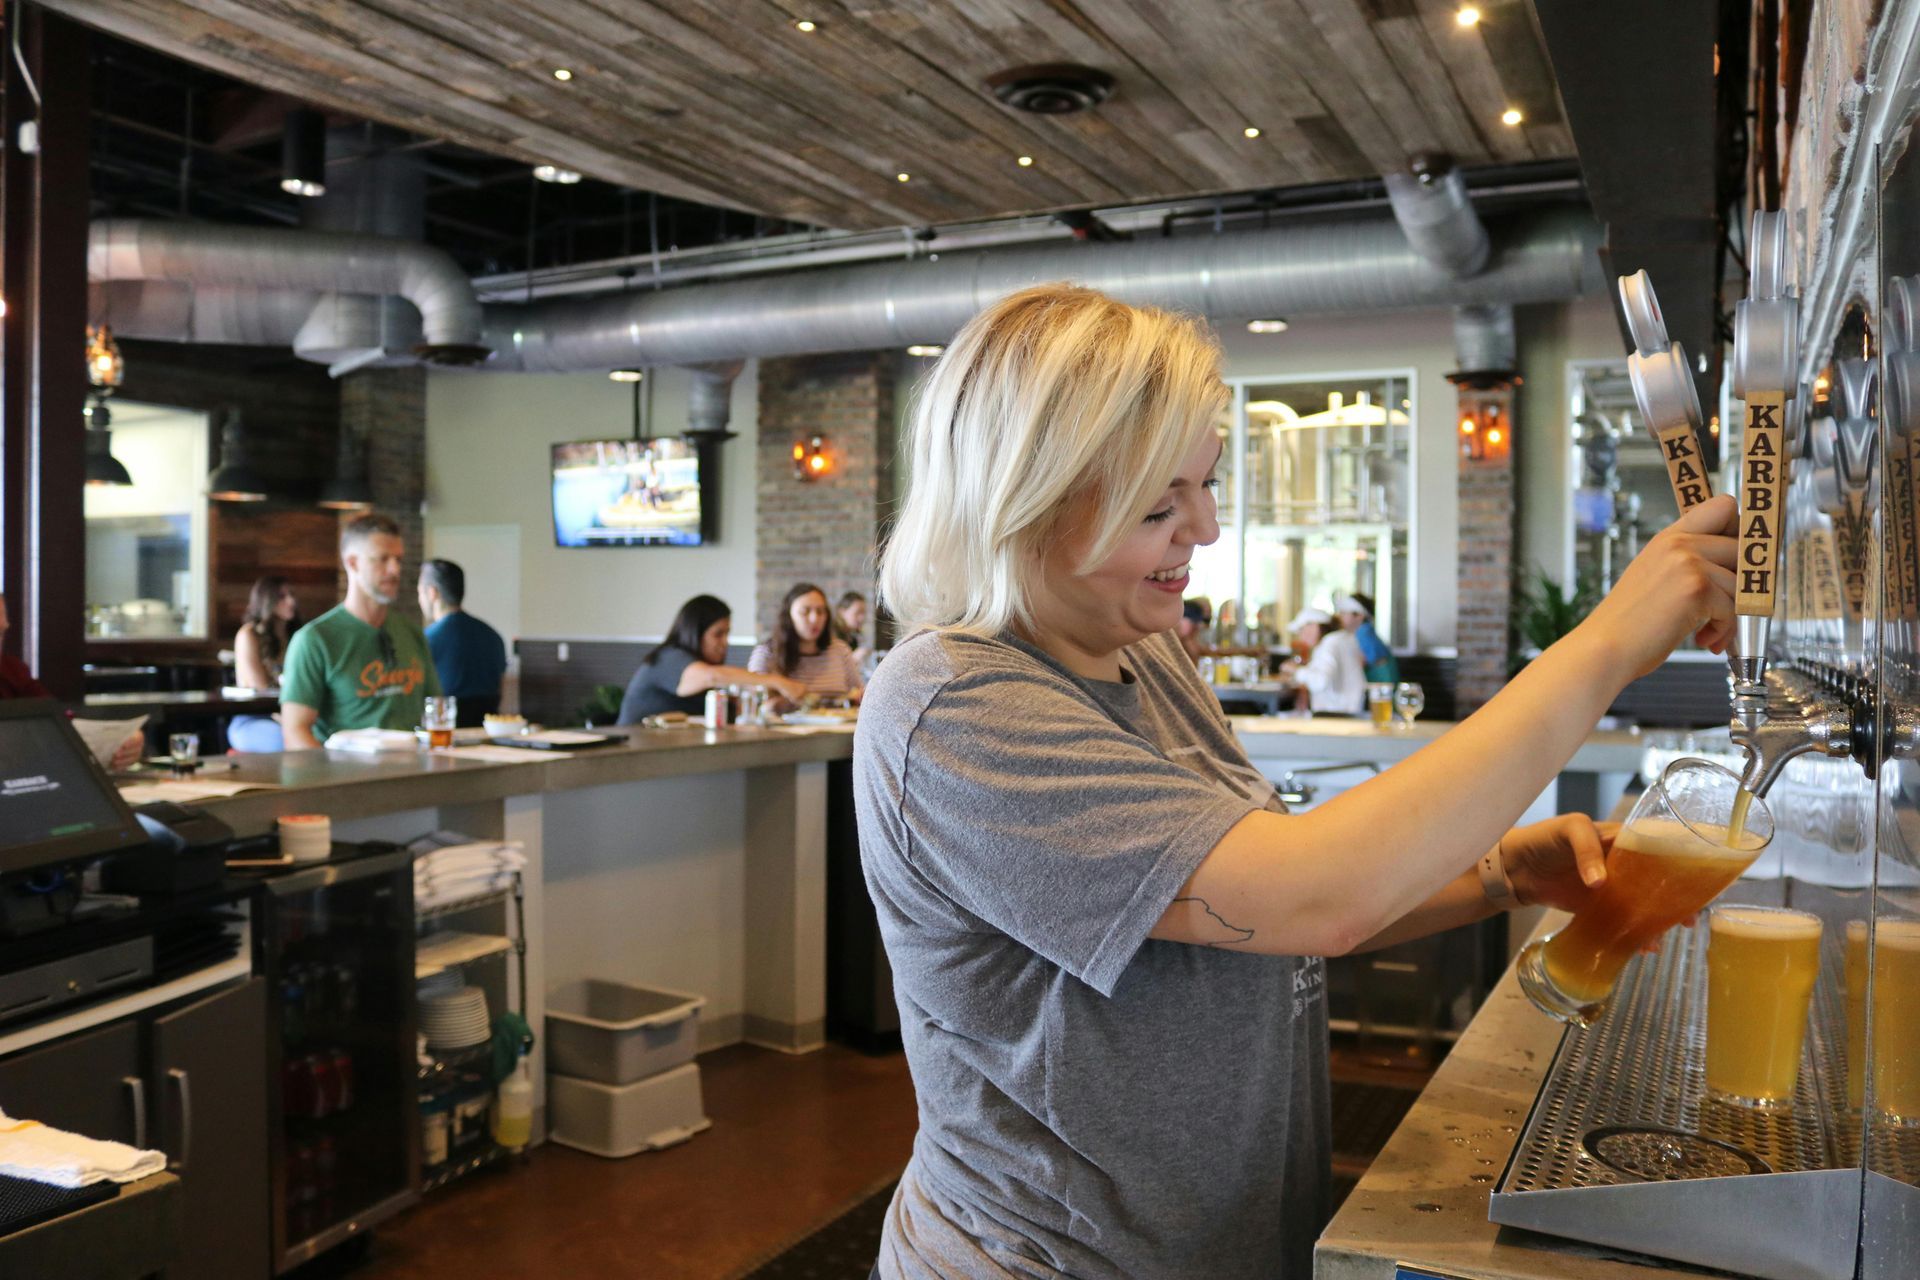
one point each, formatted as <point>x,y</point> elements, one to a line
<point>1495,883</point>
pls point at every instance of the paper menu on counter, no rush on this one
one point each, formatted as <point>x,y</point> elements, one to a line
<point>103,737</point>
<point>186,790</point>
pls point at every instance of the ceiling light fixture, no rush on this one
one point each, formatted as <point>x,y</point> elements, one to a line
<point>102,467</point>
<point>235,480</point>
<point>1511,116</point>
<point>1467,16</point>
<point>1267,326</point>
<point>1252,131</point>
<point>562,74</point>
<point>1026,162</point>
<point>903,177</point>
<point>303,154</point>
<point>805,25</point>
<point>349,489</point>
<point>106,368</point>
<point>554,173</point>
<point>626,375</point>
<point>925,349</point>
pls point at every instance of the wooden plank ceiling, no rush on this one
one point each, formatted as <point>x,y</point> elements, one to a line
<point>729,103</point>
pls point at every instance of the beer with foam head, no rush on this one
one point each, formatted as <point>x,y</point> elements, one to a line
<point>1761,967</point>
<point>1895,1016</point>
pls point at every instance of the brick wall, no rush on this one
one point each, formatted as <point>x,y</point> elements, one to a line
<point>824,530</point>
<point>1488,521</point>
<point>387,408</point>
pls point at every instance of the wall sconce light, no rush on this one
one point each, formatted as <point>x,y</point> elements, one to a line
<point>106,369</point>
<point>1486,433</point>
<point>810,458</point>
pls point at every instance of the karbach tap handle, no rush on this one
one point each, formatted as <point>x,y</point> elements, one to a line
<point>1765,348</point>
<point>1663,389</point>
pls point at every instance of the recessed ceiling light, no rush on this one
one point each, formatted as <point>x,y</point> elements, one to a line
<point>561,73</point>
<point>1511,116</point>
<point>925,349</point>
<point>1467,16</point>
<point>903,177</point>
<point>1026,162</point>
<point>626,375</point>
<point>1266,326</point>
<point>554,173</point>
<point>301,187</point>
<point>1252,131</point>
<point>804,25</point>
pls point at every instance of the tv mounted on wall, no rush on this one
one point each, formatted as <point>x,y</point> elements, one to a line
<point>628,493</point>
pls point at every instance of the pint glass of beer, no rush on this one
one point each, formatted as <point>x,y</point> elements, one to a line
<point>1761,966</point>
<point>1896,1018</point>
<point>1671,858</point>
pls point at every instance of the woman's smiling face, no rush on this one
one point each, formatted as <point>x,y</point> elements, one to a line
<point>1083,619</point>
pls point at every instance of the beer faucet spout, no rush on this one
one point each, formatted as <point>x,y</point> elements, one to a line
<point>1785,718</point>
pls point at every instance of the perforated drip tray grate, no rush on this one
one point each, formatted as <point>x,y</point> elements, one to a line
<point>1624,1148</point>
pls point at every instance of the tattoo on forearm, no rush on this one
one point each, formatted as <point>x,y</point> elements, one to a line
<point>1238,935</point>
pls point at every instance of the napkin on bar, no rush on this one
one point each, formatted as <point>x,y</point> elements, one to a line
<point>29,1149</point>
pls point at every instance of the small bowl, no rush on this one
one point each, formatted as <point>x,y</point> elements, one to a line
<point>505,726</point>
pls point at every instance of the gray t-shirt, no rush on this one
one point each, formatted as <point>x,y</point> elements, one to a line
<point>655,687</point>
<point>1092,1102</point>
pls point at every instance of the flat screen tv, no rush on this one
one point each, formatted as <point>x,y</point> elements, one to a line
<point>627,493</point>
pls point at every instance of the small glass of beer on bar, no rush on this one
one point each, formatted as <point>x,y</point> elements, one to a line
<point>1761,966</point>
<point>438,720</point>
<point>1380,705</point>
<point>1670,859</point>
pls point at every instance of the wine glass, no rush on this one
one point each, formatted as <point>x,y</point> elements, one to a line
<point>1409,700</point>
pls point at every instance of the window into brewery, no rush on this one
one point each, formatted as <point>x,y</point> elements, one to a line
<point>1621,494</point>
<point>147,541</point>
<point>1315,501</point>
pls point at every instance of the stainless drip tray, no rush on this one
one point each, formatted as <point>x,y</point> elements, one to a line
<point>1624,1148</point>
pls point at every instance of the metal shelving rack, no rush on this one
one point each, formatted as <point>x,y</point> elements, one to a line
<point>449,1069</point>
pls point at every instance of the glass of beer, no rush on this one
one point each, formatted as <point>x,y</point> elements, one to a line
<point>1856,993</point>
<point>1895,1014</point>
<point>1761,966</point>
<point>1670,859</point>
<point>1380,704</point>
<point>438,720</point>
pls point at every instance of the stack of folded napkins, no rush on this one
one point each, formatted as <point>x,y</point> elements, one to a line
<point>29,1149</point>
<point>373,740</point>
<point>448,866</point>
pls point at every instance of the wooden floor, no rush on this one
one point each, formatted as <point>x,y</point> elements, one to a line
<point>795,1140</point>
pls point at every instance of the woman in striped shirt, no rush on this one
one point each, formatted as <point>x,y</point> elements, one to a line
<point>804,648</point>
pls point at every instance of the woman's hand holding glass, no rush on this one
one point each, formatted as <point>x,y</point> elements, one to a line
<point>1559,862</point>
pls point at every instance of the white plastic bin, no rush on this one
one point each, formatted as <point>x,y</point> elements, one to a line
<point>623,1120</point>
<point>617,1032</point>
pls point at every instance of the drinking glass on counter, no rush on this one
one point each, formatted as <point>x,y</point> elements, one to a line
<point>1896,1022</point>
<point>183,748</point>
<point>1670,859</point>
<point>1380,705</point>
<point>1409,700</point>
<point>438,720</point>
<point>1761,966</point>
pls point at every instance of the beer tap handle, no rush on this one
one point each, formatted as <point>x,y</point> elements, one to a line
<point>1664,391</point>
<point>1765,329</point>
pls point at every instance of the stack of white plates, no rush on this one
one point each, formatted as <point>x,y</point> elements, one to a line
<point>443,983</point>
<point>457,1020</point>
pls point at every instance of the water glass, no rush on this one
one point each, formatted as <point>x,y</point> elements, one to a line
<point>183,748</point>
<point>1409,700</point>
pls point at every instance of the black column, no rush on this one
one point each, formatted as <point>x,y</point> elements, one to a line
<point>43,230</point>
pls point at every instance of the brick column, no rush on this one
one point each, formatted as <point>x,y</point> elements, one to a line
<point>824,530</point>
<point>387,408</point>
<point>1487,531</point>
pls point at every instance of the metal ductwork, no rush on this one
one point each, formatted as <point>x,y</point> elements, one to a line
<point>202,254</point>
<point>1356,265</point>
<point>710,397</point>
<point>1483,339</point>
<point>1431,204</point>
<point>177,311</point>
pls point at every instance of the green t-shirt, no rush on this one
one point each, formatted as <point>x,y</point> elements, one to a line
<point>357,676</point>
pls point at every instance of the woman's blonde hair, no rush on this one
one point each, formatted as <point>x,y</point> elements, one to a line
<point>1054,399</point>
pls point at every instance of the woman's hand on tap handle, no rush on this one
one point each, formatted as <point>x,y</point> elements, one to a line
<point>1681,584</point>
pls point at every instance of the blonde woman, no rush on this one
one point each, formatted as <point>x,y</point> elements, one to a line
<point>1104,929</point>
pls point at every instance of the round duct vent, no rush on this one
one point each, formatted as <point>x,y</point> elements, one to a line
<point>1051,89</point>
<point>452,354</point>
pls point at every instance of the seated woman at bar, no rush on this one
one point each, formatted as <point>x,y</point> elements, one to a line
<point>259,648</point>
<point>1333,679</point>
<point>690,661</point>
<point>804,648</point>
<point>1355,612</point>
<point>850,624</point>
<point>1104,929</point>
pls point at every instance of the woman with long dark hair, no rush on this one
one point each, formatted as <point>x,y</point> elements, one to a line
<point>804,648</point>
<point>690,661</point>
<point>259,649</point>
<point>850,614</point>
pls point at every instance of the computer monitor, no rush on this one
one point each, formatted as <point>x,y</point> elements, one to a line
<point>57,804</point>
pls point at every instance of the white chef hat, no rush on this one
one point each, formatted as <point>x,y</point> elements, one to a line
<point>1351,604</point>
<point>1309,615</point>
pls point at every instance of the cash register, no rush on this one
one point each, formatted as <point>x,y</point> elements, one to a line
<point>60,814</point>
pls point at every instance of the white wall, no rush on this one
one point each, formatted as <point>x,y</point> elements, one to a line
<point>487,463</point>
<point>488,436</point>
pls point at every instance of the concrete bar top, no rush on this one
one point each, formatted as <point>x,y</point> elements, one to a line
<point>1338,738</point>
<point>347,785</point>
<point>1423,1202</point>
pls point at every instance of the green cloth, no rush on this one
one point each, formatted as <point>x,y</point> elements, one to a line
<point>357,676</point>
<point>511,1038</point>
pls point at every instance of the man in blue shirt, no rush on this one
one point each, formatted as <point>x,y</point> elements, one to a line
<point>468,654</point>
